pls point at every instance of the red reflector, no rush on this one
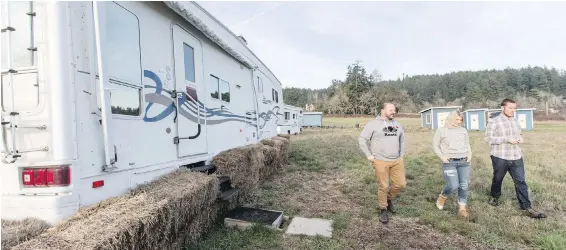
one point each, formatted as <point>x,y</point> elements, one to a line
<point>98,184</point>
<point>46,177</point>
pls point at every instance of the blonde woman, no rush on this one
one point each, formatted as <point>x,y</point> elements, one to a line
<point>452,144</point>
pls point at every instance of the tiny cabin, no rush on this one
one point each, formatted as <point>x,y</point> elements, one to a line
<point>525,116</point>
<point>312,119</point>
<point>475,119</point>
<point>434,117</point>
<point>289,122</point>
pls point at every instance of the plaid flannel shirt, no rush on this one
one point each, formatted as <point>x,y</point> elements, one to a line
<point>499,133</point>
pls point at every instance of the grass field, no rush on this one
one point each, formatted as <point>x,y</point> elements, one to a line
<point>328,177</point>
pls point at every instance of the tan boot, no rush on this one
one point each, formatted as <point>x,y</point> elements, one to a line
<point>440,201</point>
<point>462,211</point>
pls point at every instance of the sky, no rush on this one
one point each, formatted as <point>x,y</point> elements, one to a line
<point>307,44</point>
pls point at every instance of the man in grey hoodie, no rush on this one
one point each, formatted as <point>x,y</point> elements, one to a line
<point>386,149</point>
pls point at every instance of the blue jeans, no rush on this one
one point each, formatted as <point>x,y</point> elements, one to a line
<point>456,174</point>
<point>517,170</point>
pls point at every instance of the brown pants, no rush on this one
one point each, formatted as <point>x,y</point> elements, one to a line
<point>384,170</point>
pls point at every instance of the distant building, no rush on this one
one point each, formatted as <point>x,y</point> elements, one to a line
<point>475,119</point>
<point>312,119</point>
<point>525,116</point>
<point>434,117</point>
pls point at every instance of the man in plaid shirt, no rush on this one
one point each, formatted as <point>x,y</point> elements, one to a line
<point>503,134</point>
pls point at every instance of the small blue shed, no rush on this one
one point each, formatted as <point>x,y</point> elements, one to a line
<point>475,119</point>
<point>434,117</point>
<point>312,119</point>
<point>525,116</point>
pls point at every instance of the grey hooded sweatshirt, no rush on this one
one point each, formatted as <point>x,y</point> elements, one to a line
<point>386,140</point>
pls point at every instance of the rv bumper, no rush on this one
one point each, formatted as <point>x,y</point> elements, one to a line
<point>51,209</point>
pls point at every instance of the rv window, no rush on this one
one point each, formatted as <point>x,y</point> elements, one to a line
<point>225,90</point>
<point>214,82</point>
<point>275,95</point>
<point>294,116</point>
<point>189,63</point>
<point>123,43</point>
<point>286,115</point>
<point>125,100</point>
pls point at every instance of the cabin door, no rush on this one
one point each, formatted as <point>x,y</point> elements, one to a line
<point>522,120</point>
<point>475,121</point>
<point>189,87</point>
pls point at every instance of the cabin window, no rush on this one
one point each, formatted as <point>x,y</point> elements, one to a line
<point>225,90</point>
<point>123,55</point>
<point>122,42</point>
<point>427,118</point>
<point>259,85</point>
<point>214,82</point>
<point>275,95</point>
<point>125,100</point>
<point>220,89</point>
<point>189,55</point>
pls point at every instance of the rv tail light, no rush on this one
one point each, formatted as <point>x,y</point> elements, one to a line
<point>47,177</point>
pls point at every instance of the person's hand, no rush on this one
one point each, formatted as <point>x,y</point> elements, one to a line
<point>371,158</point>
<point>445,160</point>
<point>513,140</point>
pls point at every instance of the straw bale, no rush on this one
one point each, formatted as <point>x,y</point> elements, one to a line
<point>15,232</point>
<point>242,165</point>
<point>157,215</point>
<point>271,159</point>
<point>286,136</point>
<point>284,148</point>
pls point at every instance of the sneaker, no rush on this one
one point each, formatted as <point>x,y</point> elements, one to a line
<point>390,206</point>
<point>534,214</point>
<point>440,201</point>
<point>462,211</point>
<point>494,201</point>
<point>383,217</point>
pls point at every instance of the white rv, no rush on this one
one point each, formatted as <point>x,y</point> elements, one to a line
<point>290,123</point>
<point>177,87</point>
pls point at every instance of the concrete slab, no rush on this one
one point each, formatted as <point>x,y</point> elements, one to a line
<point>311,227</point>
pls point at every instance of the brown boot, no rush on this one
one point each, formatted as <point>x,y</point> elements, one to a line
<point>462,211</point>
<point>440,201</point>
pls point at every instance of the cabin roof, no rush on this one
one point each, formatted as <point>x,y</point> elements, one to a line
<point>447,107</point>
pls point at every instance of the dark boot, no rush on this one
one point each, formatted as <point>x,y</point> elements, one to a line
<point>534,214</point>
<point>383,217</point>
<point>390,206</point>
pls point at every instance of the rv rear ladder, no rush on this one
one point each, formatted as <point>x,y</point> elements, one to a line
<point>13,151</point>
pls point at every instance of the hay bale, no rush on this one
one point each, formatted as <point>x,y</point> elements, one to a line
<point>284,149</point>
<point>271,159</point>
<point>288,137</point>
<point>158,215</point>
<point>15,232</point>
<point>242,165</point>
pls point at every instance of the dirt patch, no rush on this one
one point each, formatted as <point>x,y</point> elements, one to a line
<point>402,233</point>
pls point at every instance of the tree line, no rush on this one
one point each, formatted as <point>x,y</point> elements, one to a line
<point>361,92</point>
